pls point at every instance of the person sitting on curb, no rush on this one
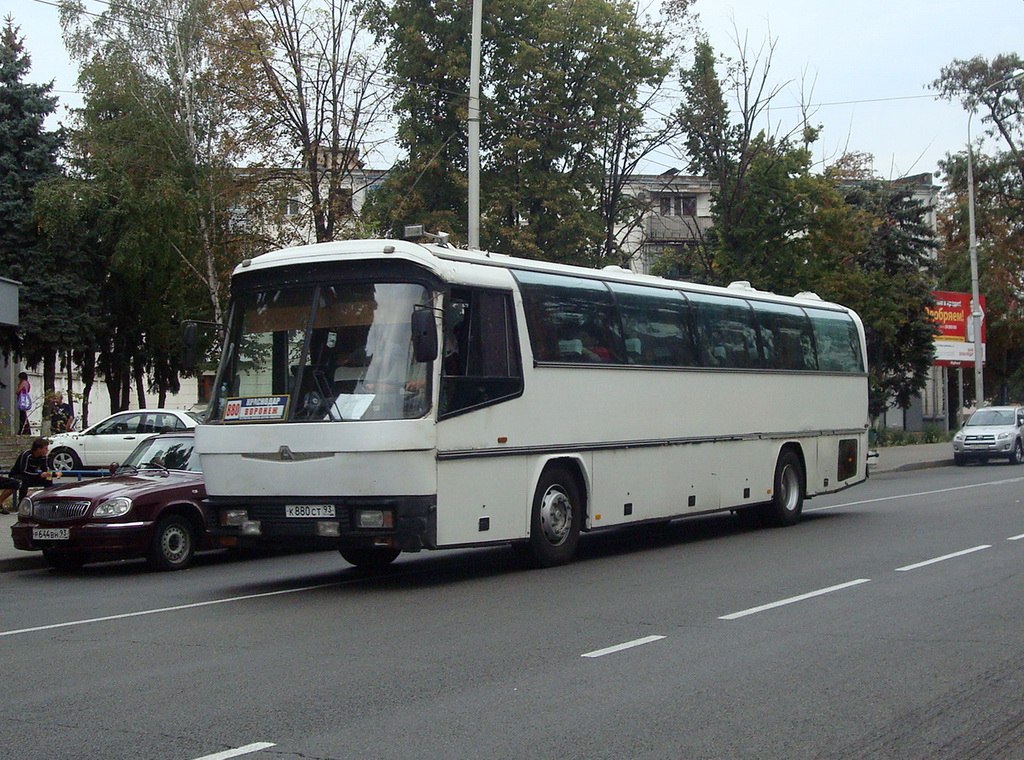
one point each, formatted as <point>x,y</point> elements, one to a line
<point>29,471</point>
<point>8,486</point>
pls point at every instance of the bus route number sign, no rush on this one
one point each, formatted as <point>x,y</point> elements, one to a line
<point>255,408</point>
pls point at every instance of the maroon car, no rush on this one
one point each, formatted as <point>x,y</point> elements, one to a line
<point>151,507</point>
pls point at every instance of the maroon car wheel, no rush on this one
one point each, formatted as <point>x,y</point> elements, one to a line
<point>174,544</point>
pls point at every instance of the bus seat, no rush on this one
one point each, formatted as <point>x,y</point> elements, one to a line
<point>346,378</point>
<point>341,374</point>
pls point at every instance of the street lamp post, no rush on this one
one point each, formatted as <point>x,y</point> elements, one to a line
<point>473,178</point>
<point>972,248</point>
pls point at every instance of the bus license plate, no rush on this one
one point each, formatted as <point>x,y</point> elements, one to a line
<point>309,510</point>
<point>51,534</point>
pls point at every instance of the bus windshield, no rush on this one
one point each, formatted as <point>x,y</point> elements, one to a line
<point>337,352</point>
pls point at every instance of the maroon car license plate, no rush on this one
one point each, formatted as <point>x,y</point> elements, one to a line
<point>51,534</point>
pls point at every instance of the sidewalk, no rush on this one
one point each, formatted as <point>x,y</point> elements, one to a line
<point>917,457</point>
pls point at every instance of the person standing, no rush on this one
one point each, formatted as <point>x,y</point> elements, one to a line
<point>24,395</point>
<point>63,417</point>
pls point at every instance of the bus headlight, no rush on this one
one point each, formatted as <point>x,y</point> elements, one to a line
<point>233,518</point>
<point>251,528</point>
<point>328,528</point>
<point>374,519</point>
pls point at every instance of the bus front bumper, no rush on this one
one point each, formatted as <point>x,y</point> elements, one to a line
<point>408,523</point>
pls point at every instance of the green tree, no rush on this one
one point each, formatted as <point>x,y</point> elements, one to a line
<point>564,89</point>
<point>426,49</point>
<point>72,232</point>
<point>27,157</point>
<point>992,92</point>
<point>159,69</point>
<point>565,124</point>
<point>309,94</point>
<point>765,198</point>
<point>154,142</point>
<point>889,283</point>
<point>786,228</point>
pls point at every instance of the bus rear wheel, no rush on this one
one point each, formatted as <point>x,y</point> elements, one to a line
<point>372,559</point>
<point>555,518</point>
<point>788,490</point>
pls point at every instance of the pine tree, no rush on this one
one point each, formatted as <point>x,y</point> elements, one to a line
<point>27,156</point>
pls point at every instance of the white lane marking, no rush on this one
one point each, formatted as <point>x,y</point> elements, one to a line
<point>1007,481</point>
<point>942,558</point>
<point>620,647</point>
<point>248,749</point>
<point>176,608</point>
<point>793,599</point>
<point>1016,538</point>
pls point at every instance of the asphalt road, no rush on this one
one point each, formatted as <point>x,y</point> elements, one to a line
<point>886,625</point>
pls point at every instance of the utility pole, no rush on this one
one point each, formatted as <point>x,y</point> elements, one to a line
<point>474,128</point>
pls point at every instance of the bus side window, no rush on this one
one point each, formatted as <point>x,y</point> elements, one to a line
<point>837,340</point>
<point>786,338</point>
<point>480,362</point>
<point>571,319</point>
<point>655,325</point>
<point>726,334</point>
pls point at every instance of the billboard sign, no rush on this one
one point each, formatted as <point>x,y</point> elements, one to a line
<point>954,344</point>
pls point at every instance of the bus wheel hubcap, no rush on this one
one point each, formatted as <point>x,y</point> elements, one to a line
<point>790,489</point>
<point>555,515</point>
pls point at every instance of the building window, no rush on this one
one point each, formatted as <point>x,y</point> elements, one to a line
<point>678,205</point>
<point>290,207</point>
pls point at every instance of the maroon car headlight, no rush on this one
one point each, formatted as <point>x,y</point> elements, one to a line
<point>119,505</point>
<point>25,507</point>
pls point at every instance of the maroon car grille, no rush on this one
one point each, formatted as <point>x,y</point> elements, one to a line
<point>55,511</point>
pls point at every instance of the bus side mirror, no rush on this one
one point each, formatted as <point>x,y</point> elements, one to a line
<point>424,335</point>
<point>188,345</point>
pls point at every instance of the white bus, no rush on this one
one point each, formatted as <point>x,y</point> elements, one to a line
<point>379,396</point>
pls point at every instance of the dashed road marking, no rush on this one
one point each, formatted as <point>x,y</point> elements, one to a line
<point>793,599</point>
<point>248,749</point>
<point>943,558</point>
<point>620,647</point>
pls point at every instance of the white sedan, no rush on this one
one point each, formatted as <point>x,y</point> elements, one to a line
<point>114,438</point>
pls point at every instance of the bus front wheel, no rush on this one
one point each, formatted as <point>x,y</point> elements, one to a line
<point>372,559</point>
<point>788,490</point>
<point>555,519</point>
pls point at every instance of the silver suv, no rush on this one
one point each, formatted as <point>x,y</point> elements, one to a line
<point>994,431</point>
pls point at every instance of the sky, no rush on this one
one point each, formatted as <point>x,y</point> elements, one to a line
<point>869,63</point>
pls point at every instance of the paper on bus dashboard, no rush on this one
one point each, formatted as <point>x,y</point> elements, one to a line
<point>352,406</point>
